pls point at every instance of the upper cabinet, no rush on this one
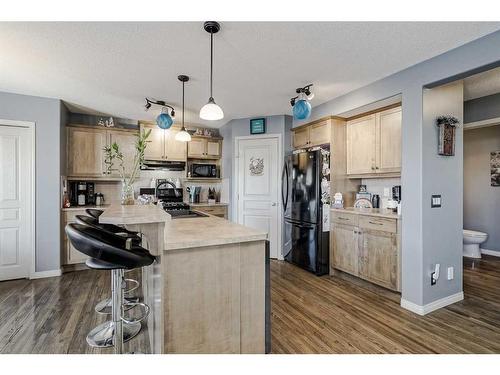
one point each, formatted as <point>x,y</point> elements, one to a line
<point>204,148</point>
<point>162,144</point>
<point>86,151</point>
<point>374,143</point>
<point>314,134</point>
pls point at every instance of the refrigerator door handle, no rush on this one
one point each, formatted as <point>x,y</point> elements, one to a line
<point>284,175</point>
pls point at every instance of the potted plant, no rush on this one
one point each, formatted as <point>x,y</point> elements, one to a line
<point>113,153</point>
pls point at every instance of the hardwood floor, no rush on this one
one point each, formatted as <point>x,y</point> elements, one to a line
<point>343,314</point>
<point>310,314</point>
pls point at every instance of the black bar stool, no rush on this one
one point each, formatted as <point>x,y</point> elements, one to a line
<point>109,252</point>
<point>104,306</point>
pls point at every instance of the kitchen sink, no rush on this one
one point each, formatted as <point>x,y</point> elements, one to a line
<point>185,214</point>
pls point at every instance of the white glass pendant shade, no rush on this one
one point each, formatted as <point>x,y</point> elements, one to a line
<point>211,111</point>
<point>183,136</point>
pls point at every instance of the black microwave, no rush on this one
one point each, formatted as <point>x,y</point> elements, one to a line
<point>204,170</point>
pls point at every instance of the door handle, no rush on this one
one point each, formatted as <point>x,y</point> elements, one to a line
<point>273,204</point>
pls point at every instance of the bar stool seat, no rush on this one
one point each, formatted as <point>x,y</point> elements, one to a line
<point>95,213</point>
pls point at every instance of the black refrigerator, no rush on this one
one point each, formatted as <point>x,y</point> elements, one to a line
<point>305,243</point>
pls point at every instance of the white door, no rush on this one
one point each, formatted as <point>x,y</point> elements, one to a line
<point>15,202</point>
<point>257,185</point>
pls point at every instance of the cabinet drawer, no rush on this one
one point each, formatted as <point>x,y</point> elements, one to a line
<point>378,223</point>
<point>344,218</point>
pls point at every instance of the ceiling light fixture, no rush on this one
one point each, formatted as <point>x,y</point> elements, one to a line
<point>164,119</point>
<point>300,103</point>
<point>211,111</point>
<point>183,135</point>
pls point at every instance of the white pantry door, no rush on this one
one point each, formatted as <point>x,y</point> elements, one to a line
<point>15,202</point>
<point>258,177</point>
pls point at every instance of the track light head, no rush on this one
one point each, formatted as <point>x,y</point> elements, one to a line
<point>292,101</point>
<point>172,114</point>
<point>147,106</point>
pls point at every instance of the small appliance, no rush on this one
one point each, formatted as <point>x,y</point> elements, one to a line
<point>99,199</point>
<point>396,193</point>
<point>204,170</point>
<point>81,193</point>
<point>194,193</point>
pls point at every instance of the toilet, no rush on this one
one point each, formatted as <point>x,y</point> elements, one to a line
<point>472,240</point>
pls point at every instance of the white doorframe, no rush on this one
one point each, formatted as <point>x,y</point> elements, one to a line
<point>278,179</point>
<point>31,126</point>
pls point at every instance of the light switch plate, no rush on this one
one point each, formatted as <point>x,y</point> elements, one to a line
<point>387,192</point>
<point>450,273</point>
<point>436,201</point>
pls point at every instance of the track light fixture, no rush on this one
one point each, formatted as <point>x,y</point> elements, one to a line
<point>164,119</point>
<point>300,104</point>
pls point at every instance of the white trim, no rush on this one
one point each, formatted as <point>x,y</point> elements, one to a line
<point>490,252</point>
<point>44,274</point>
<point>31,126</point>
<point>438,304</point>
<point>234,183</point>
<point>482,123</point>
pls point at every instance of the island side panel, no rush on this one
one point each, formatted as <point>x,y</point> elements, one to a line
<point>202,299</point>
<point>253,297</point>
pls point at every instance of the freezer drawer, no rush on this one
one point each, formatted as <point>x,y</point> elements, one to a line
<point>302,244</point>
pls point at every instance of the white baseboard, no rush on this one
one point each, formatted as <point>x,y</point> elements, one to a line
<point>43,274</point>
<point>490,252</point>
<point>425,309</point>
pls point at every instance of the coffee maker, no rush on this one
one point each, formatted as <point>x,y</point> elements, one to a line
<point>396,193</point>
<point>81,193</point>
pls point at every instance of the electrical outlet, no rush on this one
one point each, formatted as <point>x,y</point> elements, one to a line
<point>436,201</point>
<point>450,273</point>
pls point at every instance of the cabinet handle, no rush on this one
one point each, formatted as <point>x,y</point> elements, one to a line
<point>342,218</point>
<point>376,168</point>
<point>373,222</point>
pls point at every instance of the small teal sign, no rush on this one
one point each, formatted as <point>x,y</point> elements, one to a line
<point>258,126</point>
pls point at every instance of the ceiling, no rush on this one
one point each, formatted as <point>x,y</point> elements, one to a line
<point>482,84</point>
<point>110,67</point>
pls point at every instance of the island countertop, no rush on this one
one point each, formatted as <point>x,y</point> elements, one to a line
<point>207,231</point>
<point>182,233</point>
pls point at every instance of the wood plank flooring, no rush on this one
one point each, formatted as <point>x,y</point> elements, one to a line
<point>343,314</point>
<point>310,314</point>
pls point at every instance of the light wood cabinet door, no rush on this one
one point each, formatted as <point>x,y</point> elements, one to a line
<point>86,152</point>
<point>361,134</point>
<point>344,248</point>
<point>389,141</point>
<point>319,134</point>
<point>155,150</point>
<point>69,254</point>
<point>378,257</point>
<point>174,150</point>
<point>300,138</point>
<point>126,142</point>
<point>213,149</point>
<point>197,148</point>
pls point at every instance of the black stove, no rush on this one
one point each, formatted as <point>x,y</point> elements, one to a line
<point>174,206</point>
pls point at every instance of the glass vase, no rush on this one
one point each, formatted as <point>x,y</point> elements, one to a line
<point>127,196</point>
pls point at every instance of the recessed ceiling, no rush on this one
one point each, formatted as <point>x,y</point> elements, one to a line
<point>482,84</point>
<point>110,67</point>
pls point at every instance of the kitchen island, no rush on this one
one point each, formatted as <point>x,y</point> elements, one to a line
<point>207,289</point>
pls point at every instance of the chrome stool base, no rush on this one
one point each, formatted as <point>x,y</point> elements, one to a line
<point>102,335</point>
<point>104,307</point>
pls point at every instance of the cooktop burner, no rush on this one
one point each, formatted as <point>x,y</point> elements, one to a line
<point>174,206</point>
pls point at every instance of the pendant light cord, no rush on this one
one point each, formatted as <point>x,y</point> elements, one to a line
<point>183,105</point>
<point>211,62</point>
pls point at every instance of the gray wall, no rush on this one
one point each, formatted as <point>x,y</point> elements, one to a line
<point>241,127</point>
<point>481,200</point>
<point>46,114</point>
<point>483,108</point>
<point>417,175</point>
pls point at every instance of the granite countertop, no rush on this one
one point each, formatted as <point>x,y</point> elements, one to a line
<point>183,233</point>
<point>380,212</point>
<point>133,214</point>
<point>76,208</point>
<point>207,231</point>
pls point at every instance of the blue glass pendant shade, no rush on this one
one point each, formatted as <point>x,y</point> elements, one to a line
<point>301,110</point>
<point>164,121</point>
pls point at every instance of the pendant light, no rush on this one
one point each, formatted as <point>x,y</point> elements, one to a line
<point>183,135</point>
<point>211,111</point>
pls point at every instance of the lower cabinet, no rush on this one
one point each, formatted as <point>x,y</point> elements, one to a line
<point>361,250</point>
<point>69,254</point>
